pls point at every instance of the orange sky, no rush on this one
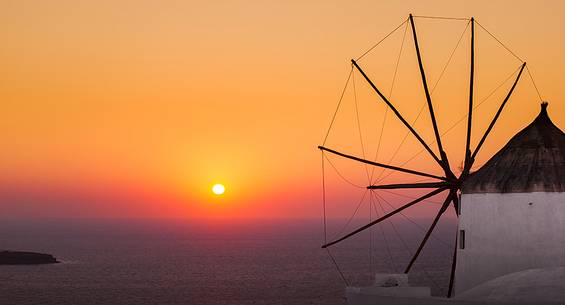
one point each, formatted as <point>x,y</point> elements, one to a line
<point>134,109</point>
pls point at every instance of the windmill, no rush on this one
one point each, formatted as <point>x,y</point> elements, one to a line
<point>448,182</point>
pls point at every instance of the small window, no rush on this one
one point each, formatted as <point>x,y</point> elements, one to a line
<point>461,239</point>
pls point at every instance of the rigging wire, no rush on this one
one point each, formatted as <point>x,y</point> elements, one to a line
<point>383,232</point>
<point>337,108</point>
<point>359,126</point>
<point>450,57</point>
<point>325,226</point>
<point>337,268</point>
<point>410,253</point>
<point>500,42</point>
<point>411,197</point>
<point>371,234</point>
<point>397,62</point>
<point>324,199</point>
<point>392,225</point>
<point>423,180</point>
<point>379,42</point>
<point>424,104</point>
<point>440,17</point>
<point>461,119</point>
<point>341,176</point>
<point>413,222</point>
<point>352,216</point>
<point>534,83</point>
<point>389,96</point>
<point>379,199</point>
<point>325,222</point>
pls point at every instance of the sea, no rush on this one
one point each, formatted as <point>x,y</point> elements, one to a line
<point>174,261</point>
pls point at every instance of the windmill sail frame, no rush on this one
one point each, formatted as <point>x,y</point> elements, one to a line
<point>449,181</point>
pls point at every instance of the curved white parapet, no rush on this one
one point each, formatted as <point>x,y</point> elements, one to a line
<point>539,286</point>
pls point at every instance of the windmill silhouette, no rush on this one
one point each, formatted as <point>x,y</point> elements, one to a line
<point>448,182</point>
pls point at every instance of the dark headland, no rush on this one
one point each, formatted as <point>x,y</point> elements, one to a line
<point>26,258</point>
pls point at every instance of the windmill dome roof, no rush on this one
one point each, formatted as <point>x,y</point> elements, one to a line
<point>532,161</point>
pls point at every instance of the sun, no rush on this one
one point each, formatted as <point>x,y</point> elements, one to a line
<point>218,189</point>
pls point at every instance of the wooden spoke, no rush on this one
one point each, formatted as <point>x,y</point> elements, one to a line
<point>444,162</point>
<point>454,260</point>
<point>430,194</point>
<point>496,115</point>
<point>427,185</point>
<point>467,162</point>
<point>444,207</point>
<point>398,115</point>
<point>396,168</point>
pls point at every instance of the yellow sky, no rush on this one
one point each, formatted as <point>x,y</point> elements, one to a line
<point>170,97</point>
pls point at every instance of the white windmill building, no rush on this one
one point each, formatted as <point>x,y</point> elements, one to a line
<point>512,212</point>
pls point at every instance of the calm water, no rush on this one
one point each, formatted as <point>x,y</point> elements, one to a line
<point>214,262</point>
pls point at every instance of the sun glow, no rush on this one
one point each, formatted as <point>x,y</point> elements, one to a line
<point>218,189</point>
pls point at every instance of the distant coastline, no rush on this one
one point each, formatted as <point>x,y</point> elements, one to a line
<point>25,258</point>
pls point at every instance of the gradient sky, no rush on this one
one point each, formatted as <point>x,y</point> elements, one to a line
<point>135,108</point>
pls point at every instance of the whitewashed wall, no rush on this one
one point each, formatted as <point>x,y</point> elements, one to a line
<point>504,233</point>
